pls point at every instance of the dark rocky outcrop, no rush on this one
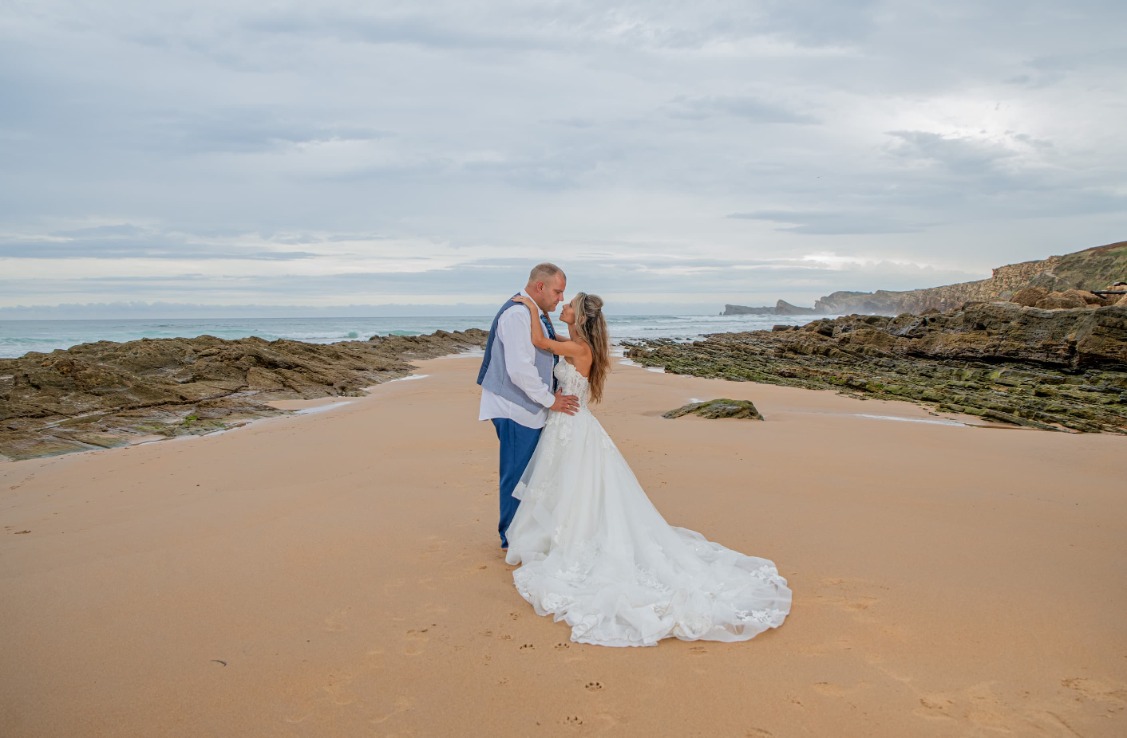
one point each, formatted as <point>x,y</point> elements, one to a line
<point>107,394</point>
<point>745,310</point>
<point>1029,366</point>
<point>721,408</point>
<point>782,307</point>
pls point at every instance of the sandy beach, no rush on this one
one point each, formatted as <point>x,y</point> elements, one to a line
<point>337,573</point>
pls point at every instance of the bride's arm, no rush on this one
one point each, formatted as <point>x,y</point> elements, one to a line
<point>541,341</point>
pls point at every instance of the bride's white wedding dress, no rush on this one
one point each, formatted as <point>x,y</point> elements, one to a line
<point>596,553</point>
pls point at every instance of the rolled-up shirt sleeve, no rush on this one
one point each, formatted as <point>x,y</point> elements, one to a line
<point>514,330</point>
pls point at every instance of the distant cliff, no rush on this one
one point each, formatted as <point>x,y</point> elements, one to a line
<point>782,307</point>
<point>1091,269</point>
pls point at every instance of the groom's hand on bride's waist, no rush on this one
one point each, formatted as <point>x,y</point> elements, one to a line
<point>565,403</point>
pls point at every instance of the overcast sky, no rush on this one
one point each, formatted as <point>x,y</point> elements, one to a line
<point>666,154</point>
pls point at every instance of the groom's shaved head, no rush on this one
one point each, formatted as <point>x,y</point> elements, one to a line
<point>546,283</point>
<point>541,272</point>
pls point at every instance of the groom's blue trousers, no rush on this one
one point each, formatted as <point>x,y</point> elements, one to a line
<point>517,445</point>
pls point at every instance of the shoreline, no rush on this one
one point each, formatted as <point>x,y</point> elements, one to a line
<point>320,405</point>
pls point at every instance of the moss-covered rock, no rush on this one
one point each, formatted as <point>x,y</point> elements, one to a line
<point>1051,369</point>
<point>721,408</point>
<point>105,393</point>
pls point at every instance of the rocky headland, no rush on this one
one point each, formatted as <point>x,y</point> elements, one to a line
<point>1056,369</point>
<point>104,394</point>
<point>782,307</point>
<point>1057,282</point>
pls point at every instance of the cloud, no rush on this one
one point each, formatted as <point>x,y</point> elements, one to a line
<point>824,223</point>
<point>332,151</point>
<point>747,108</point>
<point>962,155</point>
<point>128,241</point>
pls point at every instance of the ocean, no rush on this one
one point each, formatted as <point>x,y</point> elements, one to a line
<point>18,337</point>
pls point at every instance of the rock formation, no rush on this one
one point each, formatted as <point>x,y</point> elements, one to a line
<point>1091,269</point>
<point>1057,282</point>
<point>1049,369</point>
<point>106,394</point>
<point>782,307</point>
<point>722,408</point>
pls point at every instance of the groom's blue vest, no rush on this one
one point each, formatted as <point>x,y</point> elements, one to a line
<point>493,376</point>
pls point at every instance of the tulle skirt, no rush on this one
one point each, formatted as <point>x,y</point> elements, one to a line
<point>596,554</point>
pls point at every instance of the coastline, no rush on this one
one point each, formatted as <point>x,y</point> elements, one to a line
<point>336,572</point>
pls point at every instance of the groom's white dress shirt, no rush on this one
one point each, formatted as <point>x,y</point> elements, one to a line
<point>514,330</point>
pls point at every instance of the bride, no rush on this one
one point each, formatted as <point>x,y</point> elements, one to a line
<point>595,552</point>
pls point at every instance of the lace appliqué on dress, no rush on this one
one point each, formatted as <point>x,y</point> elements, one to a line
<point>596,554</point>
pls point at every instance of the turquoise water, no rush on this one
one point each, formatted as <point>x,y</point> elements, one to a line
<point>18,337</point>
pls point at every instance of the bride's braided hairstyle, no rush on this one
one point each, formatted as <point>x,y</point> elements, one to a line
<point>591,327</point>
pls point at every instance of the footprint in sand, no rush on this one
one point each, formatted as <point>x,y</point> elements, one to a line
<point>527,647</point>
<point>416,642</point>
<point>860,604</point>
<point>514,616</point>
<point>593,686</point>
<point>295,719</point>
<point>983,708</point>
<point>402,704</point>
<point>334,623</point>
<point>338,689</point>
<point>937,705</point>
<point>837,690</point>
<point>434,546</point>
<point>847,595</point>
<point>562,646</point>
<point>573,720</point>
<point>1093,689</point>
<point>820,649</point>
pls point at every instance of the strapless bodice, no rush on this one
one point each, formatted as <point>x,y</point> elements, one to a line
<point>571,381</point>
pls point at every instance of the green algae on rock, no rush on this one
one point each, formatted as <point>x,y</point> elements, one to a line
<point>104,394</point>
<point>721,408</point>
<point>1048,369</point>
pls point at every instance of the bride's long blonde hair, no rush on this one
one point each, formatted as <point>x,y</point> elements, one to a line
<point>591,327</point>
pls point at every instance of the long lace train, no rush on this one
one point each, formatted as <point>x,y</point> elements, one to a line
<point>596,554</point>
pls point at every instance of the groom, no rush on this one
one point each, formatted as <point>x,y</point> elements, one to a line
<point>517,387</point>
